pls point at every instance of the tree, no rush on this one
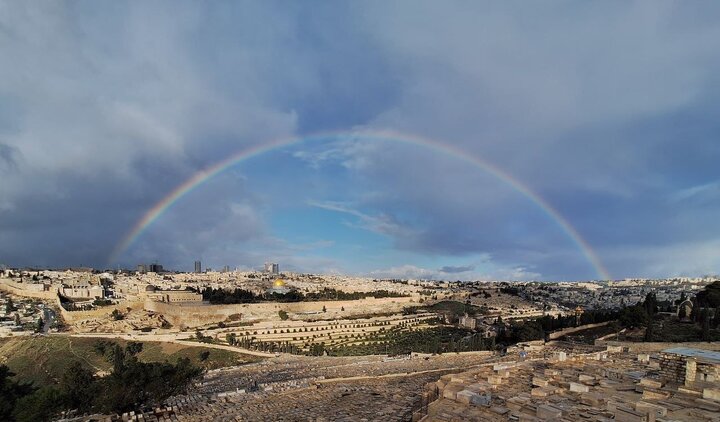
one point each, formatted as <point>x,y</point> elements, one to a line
<point>117,315</point>
<point>649,332</point>
<point>650,304</point>
<point>324,308</point>
<point>710,295</point>
<point>43,405</point>
<point>17,319</point>
<point>705,324</point>
<point>133,348</point>
<point>9,306</point>
<point>695,311</point>
<point>231,338</point>
<point>10,392</point>
<point>39,325</point>
<point>78,387</point>
<point>204,355</point>
<point>633,317</point>
<point>682,313</point>
<point>283,315</point>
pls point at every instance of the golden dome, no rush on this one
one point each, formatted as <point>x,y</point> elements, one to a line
<point>278,284</point>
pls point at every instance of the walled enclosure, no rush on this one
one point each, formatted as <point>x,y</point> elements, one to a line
<point>197,315</point>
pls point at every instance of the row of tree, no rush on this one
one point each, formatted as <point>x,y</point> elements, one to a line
<point>132,385</point>
<point>222,296</point>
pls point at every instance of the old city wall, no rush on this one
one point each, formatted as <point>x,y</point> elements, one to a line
<point>557,334</point>
<point>189,315</point>
<point>71,317</point>
<point>344,308</point>
<point>20,289</point>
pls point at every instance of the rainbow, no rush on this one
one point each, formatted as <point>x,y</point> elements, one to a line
<point>208,173</point>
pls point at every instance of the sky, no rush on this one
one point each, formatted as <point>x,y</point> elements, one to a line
<point>605,112</point>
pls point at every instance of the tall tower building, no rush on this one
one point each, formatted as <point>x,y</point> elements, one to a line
<point>198,267</point>
<point>272,268</point>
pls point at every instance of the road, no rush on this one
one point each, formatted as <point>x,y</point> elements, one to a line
<point>49,318</point>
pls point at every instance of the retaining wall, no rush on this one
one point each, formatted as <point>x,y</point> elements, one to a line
<point>20,289</point>
<point>189,315</point>
<point>565,331</point>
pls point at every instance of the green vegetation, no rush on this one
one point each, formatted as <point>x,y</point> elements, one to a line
<point>559,322</point>
<point>456,308</point>
<point>44,359</point>
<point>431,340</point>
<point>131,385</point>
<point>283,315</point>
<point>709,297</point>
<point>117,315</point>
<point>199,336</point>
<point>222,296</point>
<point>10,392</point>
<point>703,324</point>
<point>332,294</point>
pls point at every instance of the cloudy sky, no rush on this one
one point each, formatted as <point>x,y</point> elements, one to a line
<point>606,112</point>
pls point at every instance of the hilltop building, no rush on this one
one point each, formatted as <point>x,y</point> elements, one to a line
<point>279,287</point>
<point>172,296</point>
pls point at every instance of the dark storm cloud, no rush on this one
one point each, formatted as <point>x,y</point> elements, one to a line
<point>453,270</point>
<point>606,110</point>
<point>8,157</point>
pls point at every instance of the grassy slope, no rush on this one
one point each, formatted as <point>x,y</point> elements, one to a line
<point>455,307</point>
<point>44,359</point>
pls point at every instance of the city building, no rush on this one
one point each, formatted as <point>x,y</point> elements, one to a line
<point>172,296</point>
<point>82,289</point>
<point>272,268</point>
<point>280,287</point>
<point>198,267</point>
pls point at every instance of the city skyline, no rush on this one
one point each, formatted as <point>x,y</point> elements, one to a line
<point>368,139</point>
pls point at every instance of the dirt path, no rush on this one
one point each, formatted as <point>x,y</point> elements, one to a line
<point>79,356</point>
<point>174,338</point>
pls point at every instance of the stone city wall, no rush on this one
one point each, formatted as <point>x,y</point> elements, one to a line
<point>190,315</point>
<point>71,317</point>
<point>187,315</point>
<point>21,289</point>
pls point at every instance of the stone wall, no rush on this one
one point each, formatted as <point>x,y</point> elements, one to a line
<point>71,317</point>
<point>672,367</point>
<point>557,334</point>
<point>20,289</point>
<point>189,315</point>
<point>649,347</point>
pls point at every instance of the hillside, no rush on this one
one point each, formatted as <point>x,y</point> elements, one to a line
<point>43,359</point>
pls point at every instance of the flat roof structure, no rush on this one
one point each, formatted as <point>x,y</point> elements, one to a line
<point>707,356</point>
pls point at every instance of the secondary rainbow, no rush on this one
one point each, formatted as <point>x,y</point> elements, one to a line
<point>208,173</point>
